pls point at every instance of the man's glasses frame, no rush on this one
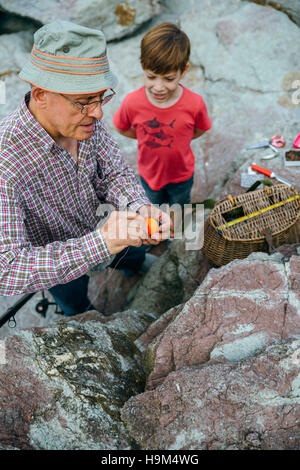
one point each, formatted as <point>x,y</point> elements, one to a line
<point>85,108</point>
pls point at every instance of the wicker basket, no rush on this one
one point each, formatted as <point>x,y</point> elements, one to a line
<point>253,221</point>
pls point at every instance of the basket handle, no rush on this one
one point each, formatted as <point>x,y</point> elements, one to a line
<point>230,198</point>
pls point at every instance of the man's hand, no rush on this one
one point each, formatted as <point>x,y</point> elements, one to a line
<point>123,229</point>
<point>166,225</point>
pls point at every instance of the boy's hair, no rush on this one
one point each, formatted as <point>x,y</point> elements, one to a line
<point>165,48</point>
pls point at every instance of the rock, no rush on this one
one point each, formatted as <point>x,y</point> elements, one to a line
<point>157,327</point>
<point>63,386</point>
<point>171,280</point>
<point>248,404</point>
<point>115,18</point>
<point>237,312</point>
<point>14,23</point>
<point>236,44</point>
<point>241,93</point>
<point>108,290</point>
<point>244,158</point>
<point>14,49</point>
<point>27,316</point>
<point>246,92</point>
<point>289,7</point>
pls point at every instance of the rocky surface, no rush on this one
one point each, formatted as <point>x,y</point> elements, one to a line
<point>250,404</point>
<point>213,381</point>
<point>246,93</point>
<point>171,280</point>
<point>114,17</point>
<point>289,7</point>
<point>216,349</point>
<point>236,312</point>
<point>62,387</point>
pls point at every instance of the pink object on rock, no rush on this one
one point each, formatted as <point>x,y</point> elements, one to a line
<point>296,143</point>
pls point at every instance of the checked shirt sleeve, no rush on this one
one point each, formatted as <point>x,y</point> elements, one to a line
<point>121,185</point>
<point>26,268</point>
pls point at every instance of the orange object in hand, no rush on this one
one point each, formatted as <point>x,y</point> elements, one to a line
<point>152,225</point>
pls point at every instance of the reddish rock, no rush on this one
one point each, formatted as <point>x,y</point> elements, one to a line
<point>157,327</point>
<point>23,396</point>
<point>236,312</point>
<point>251,404</point>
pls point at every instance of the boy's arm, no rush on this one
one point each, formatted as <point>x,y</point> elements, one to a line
<point>122,120</point>
<point>198,133</point>
<point>128,133</point>
<point>202,120</point>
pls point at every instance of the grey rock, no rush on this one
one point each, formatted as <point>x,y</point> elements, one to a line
<point>11,23</point>
<point>249,91</point>
<point>290,7</point>
<point>63,386</point>
<point>14,49</point>
<point>115,18</point>
<point>171,280</point>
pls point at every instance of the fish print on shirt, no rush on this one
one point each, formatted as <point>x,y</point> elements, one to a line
<point>159,136</point>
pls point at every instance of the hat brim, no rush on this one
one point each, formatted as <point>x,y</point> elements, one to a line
<point>59,82</point>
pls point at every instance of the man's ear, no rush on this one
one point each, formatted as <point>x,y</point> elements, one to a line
<point>39,96</point>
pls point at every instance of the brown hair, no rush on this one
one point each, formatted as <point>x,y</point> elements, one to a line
<point>165,48</point>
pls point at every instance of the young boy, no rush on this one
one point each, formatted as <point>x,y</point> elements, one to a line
<point>164,116</point>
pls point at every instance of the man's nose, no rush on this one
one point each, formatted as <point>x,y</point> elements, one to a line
<point>96,113</point>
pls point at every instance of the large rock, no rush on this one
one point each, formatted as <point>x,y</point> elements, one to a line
<point>289,7</point>
<point>62,387</point>
<point>231,183</point>
<point>250,404</point>
<point>237,311</point>
<point>114,17</point>
<point>236,45</point>
<point>234,65</point>
<point>171,280</point>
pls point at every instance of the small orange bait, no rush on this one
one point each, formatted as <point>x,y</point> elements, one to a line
<point>152,225</point>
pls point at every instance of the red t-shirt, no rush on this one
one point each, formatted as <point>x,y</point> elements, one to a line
<point>164,135</point>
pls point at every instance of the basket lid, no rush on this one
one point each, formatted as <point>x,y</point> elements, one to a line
<point>249,215</point>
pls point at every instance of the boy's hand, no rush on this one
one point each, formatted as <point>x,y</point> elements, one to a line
<point>165,224</point>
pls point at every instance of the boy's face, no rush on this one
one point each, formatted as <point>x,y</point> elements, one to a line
<point>163,88</point>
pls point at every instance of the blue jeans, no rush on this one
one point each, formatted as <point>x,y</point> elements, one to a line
<point>172,193</point>
<point>72,297</point>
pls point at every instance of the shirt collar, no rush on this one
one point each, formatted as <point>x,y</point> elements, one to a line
<point>32,125</point>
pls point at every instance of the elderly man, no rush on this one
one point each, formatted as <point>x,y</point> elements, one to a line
<point>58,163</point>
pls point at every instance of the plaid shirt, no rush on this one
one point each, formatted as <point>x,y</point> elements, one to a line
<point>48,203</point>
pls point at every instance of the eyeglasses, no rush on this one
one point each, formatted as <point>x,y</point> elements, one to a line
<point>90,107</point>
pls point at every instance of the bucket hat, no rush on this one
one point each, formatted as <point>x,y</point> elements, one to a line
<point>69,58</point>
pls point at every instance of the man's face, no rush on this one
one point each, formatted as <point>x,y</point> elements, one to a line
<point>65,119</point>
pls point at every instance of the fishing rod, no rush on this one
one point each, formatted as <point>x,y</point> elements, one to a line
<point>10,313</point>
<point>41,308</point>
